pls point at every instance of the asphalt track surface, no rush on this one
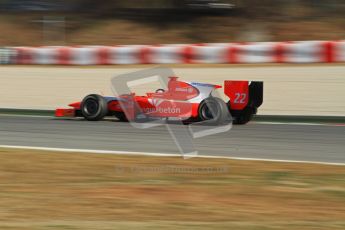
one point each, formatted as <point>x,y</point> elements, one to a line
<point>296,142</point>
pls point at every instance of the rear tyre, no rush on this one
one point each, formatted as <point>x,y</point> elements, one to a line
<point>94,107</point>
<point>244,119</point>
<point>214,110</point>
<point>243,116</point>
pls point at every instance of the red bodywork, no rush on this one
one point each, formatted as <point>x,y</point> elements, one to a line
<point>181,99</point>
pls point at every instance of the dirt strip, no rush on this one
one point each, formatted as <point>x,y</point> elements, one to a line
<point>48,190</point>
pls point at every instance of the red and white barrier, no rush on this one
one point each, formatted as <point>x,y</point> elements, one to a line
<point>208,53</point>
<point>258,52</point>
<point>167,54</point>
<point>340,51</point>
<point>305,52</point>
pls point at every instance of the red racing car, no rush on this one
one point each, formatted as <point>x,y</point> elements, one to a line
<point>188,101</point>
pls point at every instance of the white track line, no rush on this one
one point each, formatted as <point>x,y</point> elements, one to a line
<point>24,115</point>
<point>298,123</point>
<point>162,154</point>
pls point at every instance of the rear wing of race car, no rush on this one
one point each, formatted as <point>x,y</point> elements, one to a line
<point>244,94</point>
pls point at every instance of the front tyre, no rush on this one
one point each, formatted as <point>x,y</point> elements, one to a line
<point>94,107</point>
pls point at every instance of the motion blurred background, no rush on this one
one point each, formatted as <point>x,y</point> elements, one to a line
<point>98,191</point>
<point>107,22</point>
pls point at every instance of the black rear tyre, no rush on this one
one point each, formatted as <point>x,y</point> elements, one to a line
<point>242,117</point>
<point>94,107</point>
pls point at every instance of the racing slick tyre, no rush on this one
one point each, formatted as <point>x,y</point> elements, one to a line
<point>214,110</point>
<point>244,116</point>
<point>94,107</point>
